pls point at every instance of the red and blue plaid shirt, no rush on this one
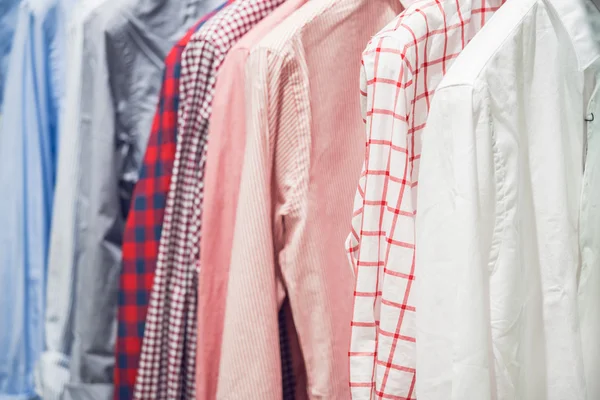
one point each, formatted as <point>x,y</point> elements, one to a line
<point>144,223</point>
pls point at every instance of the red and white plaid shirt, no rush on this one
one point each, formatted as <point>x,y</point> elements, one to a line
<point>167,366</point>
<point>402,66</point>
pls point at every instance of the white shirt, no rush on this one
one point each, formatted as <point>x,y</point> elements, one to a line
<point>402,66</point>
<point>508,289</point>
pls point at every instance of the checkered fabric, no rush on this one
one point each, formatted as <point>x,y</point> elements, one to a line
<point>167,368</point>
<point>402,66</point>
<point>288,380</point>
<point>144,224</point>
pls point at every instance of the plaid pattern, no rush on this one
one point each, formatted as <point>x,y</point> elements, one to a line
<point>402,66</point>
<point>144,224</point>
<point>167,368</point>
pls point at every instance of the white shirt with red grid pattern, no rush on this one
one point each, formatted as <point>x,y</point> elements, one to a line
<point>402,66</point>
<point>167,365</point>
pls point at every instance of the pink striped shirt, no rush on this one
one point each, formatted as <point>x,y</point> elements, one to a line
<point>303,153</point>
<point>227,143</point>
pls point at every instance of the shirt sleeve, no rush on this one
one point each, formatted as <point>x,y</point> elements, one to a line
<point>142,234</point>
<point>27,168</point>
<point>164,355</point>
<point>225,158</point>
<point>53,368</point>
<point>99,221</point>
<point>381,244</point>
<point>352,243</point>
<point>457,216</point>
<point>255,290</point>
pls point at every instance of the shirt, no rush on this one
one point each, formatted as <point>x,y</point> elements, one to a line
<point>52,370</point>
<point>124,46</point>
<point>9,12</point>
<point>589,241</point>
<point>300,167</point>
<point>167,366</point>
<point>28,150</point>
<point>401,68</point>
<point>224,161</point>
<point>144,223</point>
<point>505,285</point>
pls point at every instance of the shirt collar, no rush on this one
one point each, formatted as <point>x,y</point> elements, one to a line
<point>408,3</point>
<point>576,16</point>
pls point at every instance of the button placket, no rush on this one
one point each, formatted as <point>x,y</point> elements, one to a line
<point>591,124</point>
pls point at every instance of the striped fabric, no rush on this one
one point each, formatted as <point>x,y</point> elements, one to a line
<point>302,161</point>
<point>402,66</point>
<point>227,134</point>
<point>167,368</point>
<point>144,223</point>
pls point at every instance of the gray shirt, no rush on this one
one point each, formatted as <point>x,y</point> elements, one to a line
<point>124,46</point>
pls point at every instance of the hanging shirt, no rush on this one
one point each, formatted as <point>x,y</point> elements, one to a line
<point>301,163</point>
<point>167,367</point>
<point>52,370</point>
<point>508,275</point>
<point>224,161</point>
<point>9,11</point>
<point>28,159</point>
<point>124,46</point>
<point>402,66</point>
<point>144,222</point>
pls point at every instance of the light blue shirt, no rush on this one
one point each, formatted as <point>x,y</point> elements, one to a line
<point>8,21</point>
<point>28,147</point>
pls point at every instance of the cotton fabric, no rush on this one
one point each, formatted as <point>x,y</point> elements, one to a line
<point>289,229</point>
<point>506,297</point>
<point>167,367</point>
<point>29,139</point>
<point>9,11</point>
<point>144,222</point>
<point>401,67</point>
<point>52,370</point>
<point>124,46</point>
<point>225,157</point>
